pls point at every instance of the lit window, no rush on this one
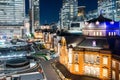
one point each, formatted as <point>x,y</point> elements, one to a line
<point>92,71</point>
<point>97,72</point>
<point>100,33</point>
<point>94,33</point>
<point>76,67</point>
<point>113,64</point>
<point>70,58</point>
<point>113,75</point>
<point>105,60</point>
<point>105,72</point>
<point>97,33</point>
<point>87,70</point>
<point>114,33</point>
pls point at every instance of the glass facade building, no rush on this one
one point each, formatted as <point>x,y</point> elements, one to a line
<point>92,14</point>
<point>117,10</point>
<point>12,12</point>
<point>68,12</point>
<point>34,15</point>
<point>109,8</point>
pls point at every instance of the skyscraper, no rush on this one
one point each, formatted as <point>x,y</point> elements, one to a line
<point>68,12</point>
<point>109,8</point>
<point>12,15</point>
<point>34,15</point>
<point>117,10</point>
<point>12,12</point>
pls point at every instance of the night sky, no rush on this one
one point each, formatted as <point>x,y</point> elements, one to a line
<point>49,9</point>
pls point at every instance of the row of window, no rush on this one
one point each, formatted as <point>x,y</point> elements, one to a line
<point>101,33</point>
<point>93,59</point>
<point>95,71</point>
<point>88,58</point>
<point>91,70</point>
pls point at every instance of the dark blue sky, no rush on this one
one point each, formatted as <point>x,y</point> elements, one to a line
<point>49,9</point>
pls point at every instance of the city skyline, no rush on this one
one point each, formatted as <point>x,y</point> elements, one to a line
<point>49,11</point>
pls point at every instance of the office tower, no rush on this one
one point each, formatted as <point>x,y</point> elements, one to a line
<point>117,10</point>
<point>109,8</point>
<point>68,13</point>
<point>92,14</point>
<point>12,14</point>
<point>34,15</point>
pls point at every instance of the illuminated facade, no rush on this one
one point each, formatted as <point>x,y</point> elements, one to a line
<point>117,10</point>
<point>34,15</point>
<point>12,15</point>
<point>110,8</point>
<point>12,12</point>
<point>47,36</point>
<point>38,35</point>
<point>95,53</point>
<point>101,27</point>
<point>77,25</point>
<point>69,10</point>
<point>92,14</point>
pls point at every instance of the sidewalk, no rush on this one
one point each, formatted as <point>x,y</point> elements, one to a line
<point>66,75</point>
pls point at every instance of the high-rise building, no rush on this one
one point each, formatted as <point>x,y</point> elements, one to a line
<point>106,7</point>
<point>12,15</point>
<point>68,13</point>
<point>92,14</point>
<point>109,8</point>
<point>117,10</point>
<point>34,15</point>
<point>12,12</point>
